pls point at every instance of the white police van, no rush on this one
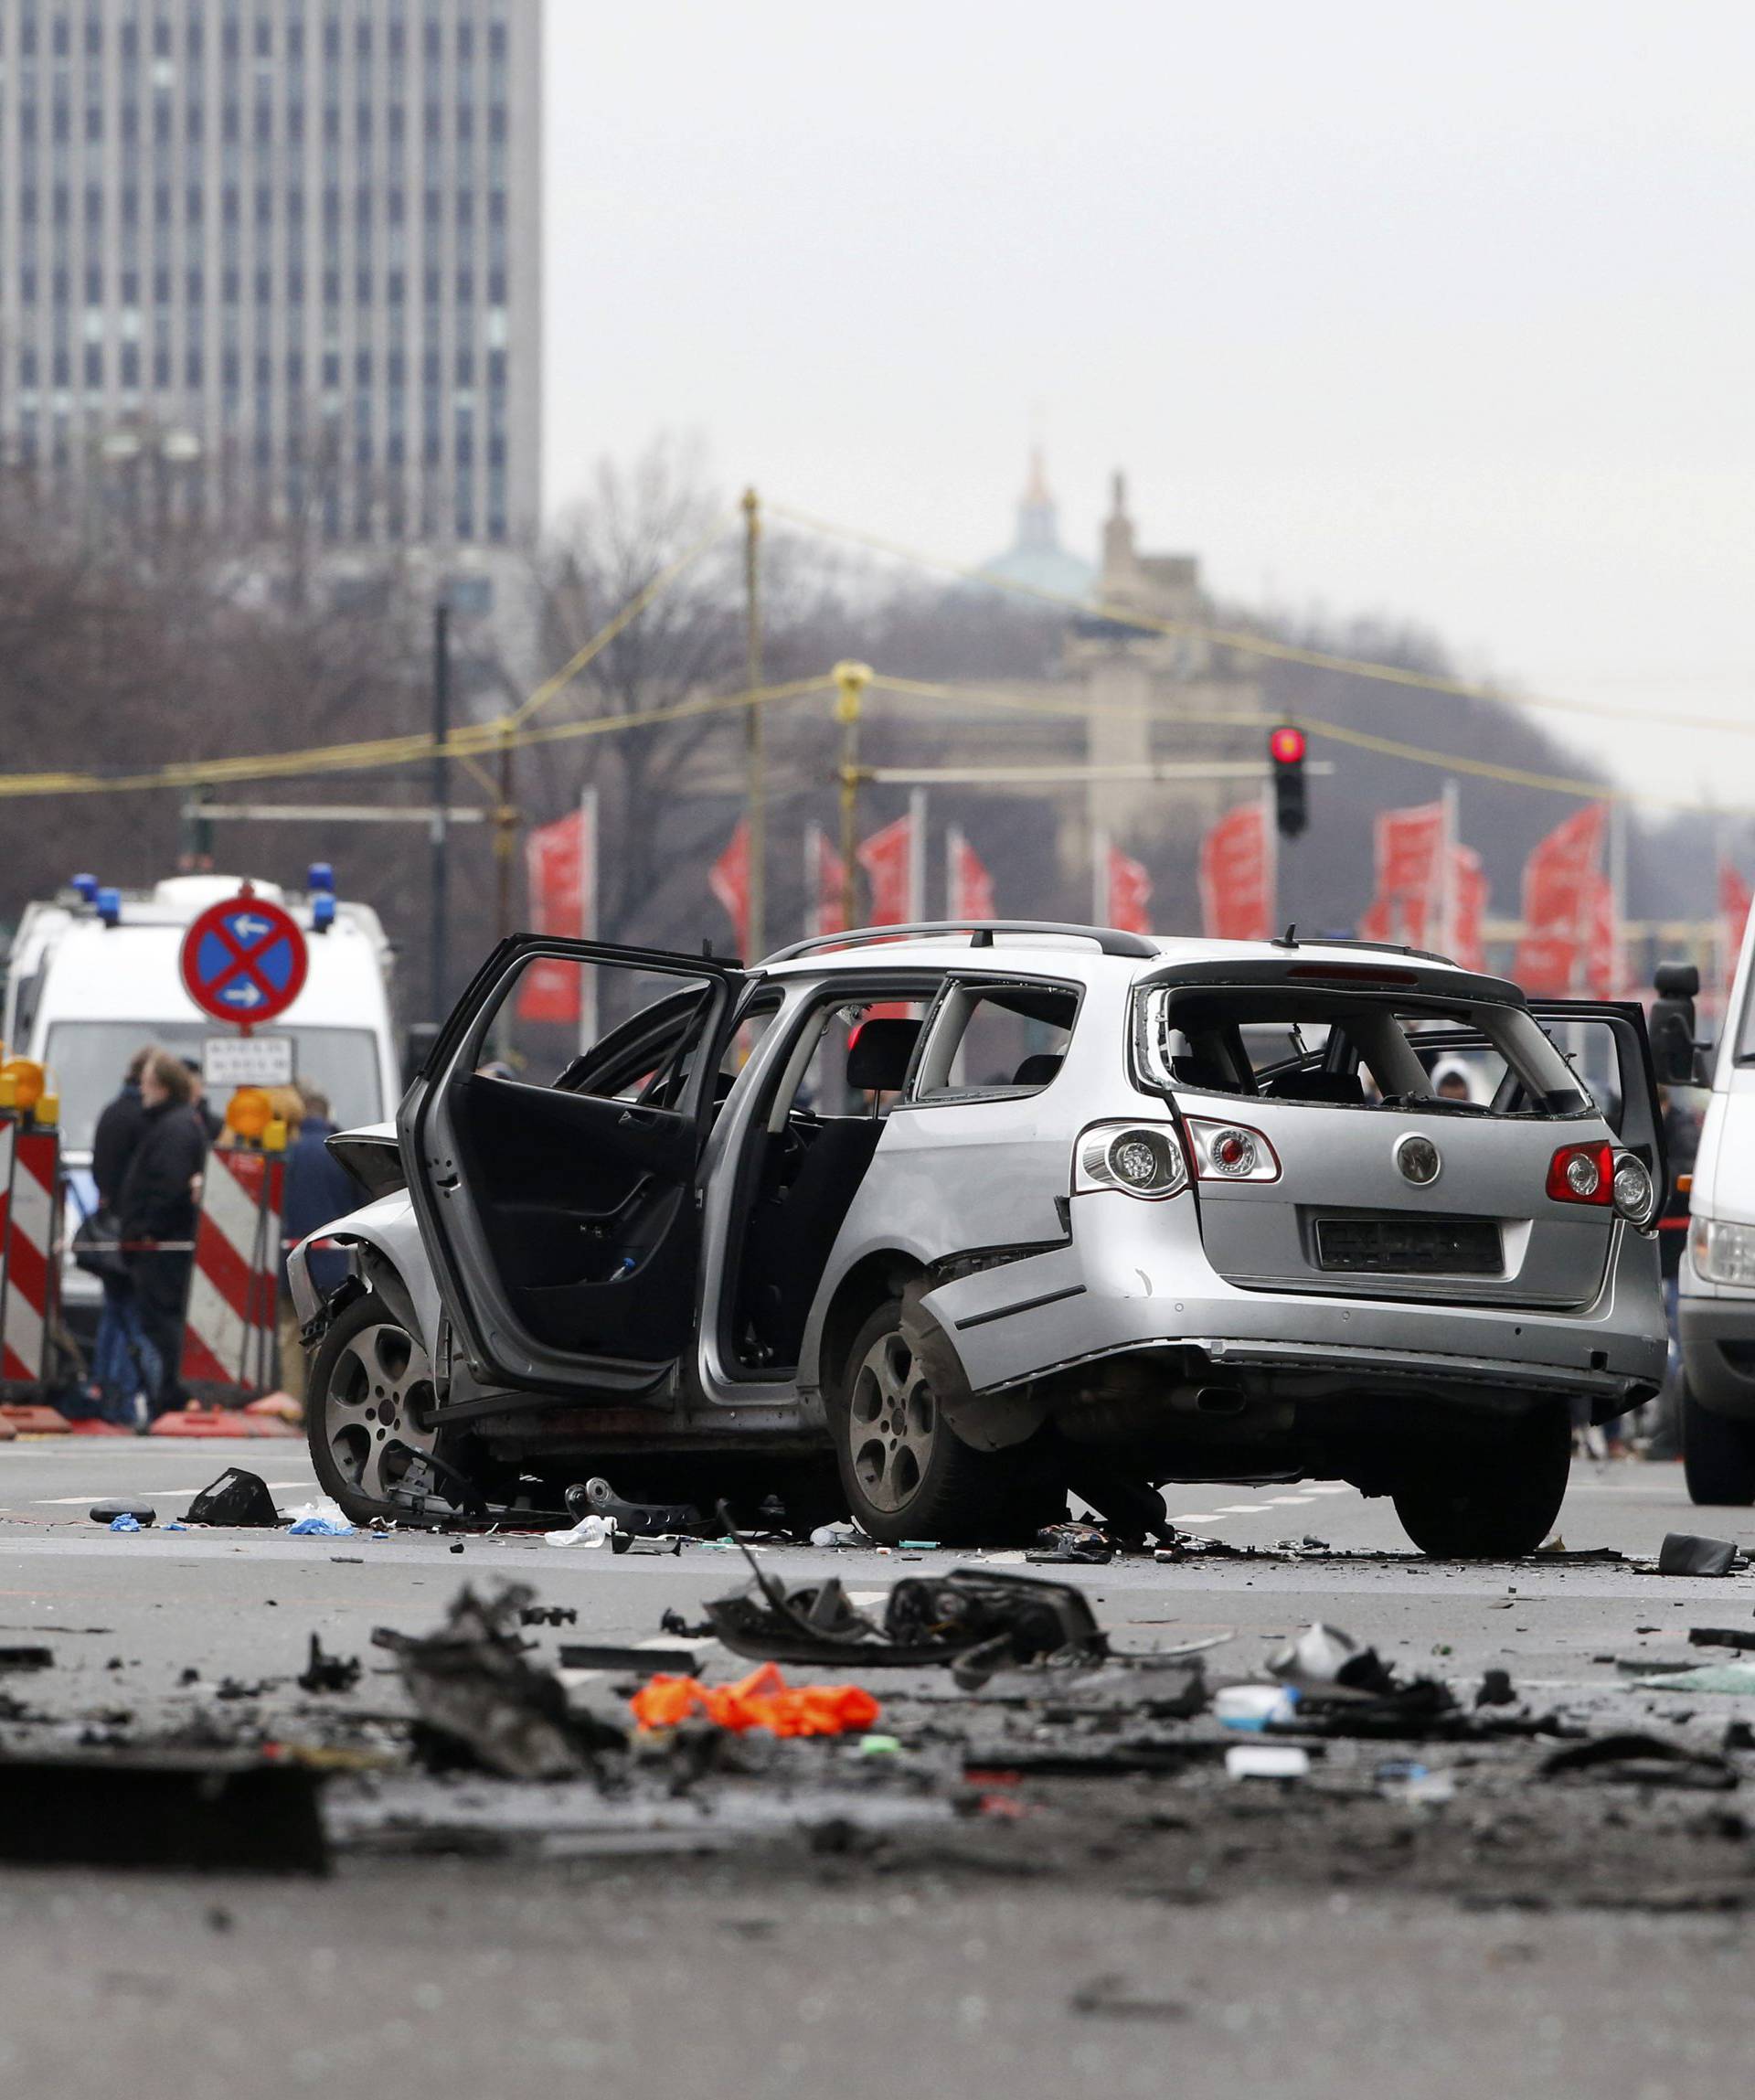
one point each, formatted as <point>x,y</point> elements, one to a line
<point>93,976</point>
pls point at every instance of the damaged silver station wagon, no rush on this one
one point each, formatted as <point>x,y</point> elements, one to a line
<point>996,1213</point>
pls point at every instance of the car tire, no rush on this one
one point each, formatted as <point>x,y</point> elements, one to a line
<point>1718,1456</point>
<point>368,1400</point>
<point>906,1473</point>
<point>1492,1500</point>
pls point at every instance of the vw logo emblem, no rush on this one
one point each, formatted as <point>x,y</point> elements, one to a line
<point>1419,1161</point>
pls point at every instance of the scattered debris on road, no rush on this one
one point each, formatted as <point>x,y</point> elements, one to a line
<point>1682,1553</point>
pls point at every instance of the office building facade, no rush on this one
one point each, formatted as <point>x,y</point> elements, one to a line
<point>274,265</point>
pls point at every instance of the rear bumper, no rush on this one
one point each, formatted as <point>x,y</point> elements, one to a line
<point>1110,1292</point>
<point>1718,1353</point>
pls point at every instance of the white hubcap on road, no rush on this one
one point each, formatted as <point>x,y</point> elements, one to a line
<point>894,1420</point>
<point>380,1394</point>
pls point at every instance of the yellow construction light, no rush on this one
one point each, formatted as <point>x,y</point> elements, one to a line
<point>249,1113</point>
<point>48,1111</point>
<point>26,1076</point>
<point>274,1137</point>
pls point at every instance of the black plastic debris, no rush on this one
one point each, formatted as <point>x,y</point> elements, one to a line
<point>483,1704</point>
<point>236,1499</point>
<point>26,1659</point>
<point>637,1519</point>
<point>208,1812</point>
<point>547,1615</point>
<point>1682,1553</point>
<point>328,1672</point>
<point>1721,1638</point>
<point>1633,1760</point>
<point>678,1627</point>
<point>1495,1688</point>
<point>143,1513</point>
<point>978,1619</point>
<point>585,1655</point>
<point>1070,1543</point>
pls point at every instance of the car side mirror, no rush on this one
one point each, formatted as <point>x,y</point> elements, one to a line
<point>1672,1024</point>
<point>1703,1057</point>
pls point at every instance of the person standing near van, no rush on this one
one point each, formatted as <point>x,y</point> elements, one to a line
<point>123,1361</point>
<point>157,1209</point>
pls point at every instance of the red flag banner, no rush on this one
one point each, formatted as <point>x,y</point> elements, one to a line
<point>1237,876</point>
<point>888,858</point>
<point>728,877</point>
<point>826,885</point>
<point>1470,894</point>
<point>559,859</point>
<point>969,887</point>
<point>1733,919</point>
<point>1129,893</point>
<point>1560,903</point>
<point>1409,906</point>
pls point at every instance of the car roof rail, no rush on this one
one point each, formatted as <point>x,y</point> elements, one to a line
<point>1136,947</point>
<point>1289,939</point>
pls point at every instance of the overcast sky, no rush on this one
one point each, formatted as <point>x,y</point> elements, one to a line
<point>1443,315</point>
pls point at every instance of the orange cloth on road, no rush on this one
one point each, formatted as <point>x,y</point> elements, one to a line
<point>762,1700</point>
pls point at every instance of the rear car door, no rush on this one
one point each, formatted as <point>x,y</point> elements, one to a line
<point>552,1143</point>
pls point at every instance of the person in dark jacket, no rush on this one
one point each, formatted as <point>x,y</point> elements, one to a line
<point>123,1361</point>
<point>319,1189</point>
<point>211,1121</point>
<point>156,1207</point>
<point>118,1132</point>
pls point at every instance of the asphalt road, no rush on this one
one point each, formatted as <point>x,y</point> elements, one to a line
<point>1299,1956</point>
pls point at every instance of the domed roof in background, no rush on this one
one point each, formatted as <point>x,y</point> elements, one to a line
<point>1036,557</point>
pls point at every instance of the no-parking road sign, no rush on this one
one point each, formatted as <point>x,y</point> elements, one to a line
<point>244,961</point>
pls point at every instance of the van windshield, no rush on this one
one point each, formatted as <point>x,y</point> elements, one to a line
<point>1352,1050</point>
<point>87,1060</point>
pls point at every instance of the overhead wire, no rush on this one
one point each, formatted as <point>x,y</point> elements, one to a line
<point>1251,643</point>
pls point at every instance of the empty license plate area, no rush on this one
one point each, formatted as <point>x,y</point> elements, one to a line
<point>1410,1246</point>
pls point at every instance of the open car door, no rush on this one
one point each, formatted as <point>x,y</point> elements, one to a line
<point>1606,1043</point>
<point>552,1163</point>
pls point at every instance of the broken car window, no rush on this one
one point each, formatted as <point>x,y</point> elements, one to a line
<point>1361,1049</point>
<point>990,1040</point>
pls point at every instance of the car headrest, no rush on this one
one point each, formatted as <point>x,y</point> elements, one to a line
<point>880,1053</point>
<point>1038,1070</point>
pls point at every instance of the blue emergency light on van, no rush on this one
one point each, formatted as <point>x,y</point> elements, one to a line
<point>109,903</point>
<point>323,913</point>
<point>85,886</point>
<point>320,876</point>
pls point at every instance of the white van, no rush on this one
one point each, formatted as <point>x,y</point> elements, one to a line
<point>95,975</point>
<point>1716,1284</point>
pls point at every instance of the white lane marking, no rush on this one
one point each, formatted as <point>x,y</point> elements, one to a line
<point>1243,1509</point>
<point>1280,1501</point>
<point>72,1501</point>
<point>1329,1487</point>
<point>1197,1517</point>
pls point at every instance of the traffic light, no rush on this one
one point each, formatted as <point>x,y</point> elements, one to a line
<point>1286,751</point>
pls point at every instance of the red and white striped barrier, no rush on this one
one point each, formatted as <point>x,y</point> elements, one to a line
<point>229,1335</point>
<point>31,1269</point>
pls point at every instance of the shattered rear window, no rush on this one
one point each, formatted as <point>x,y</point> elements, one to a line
<point>1351,1049</point>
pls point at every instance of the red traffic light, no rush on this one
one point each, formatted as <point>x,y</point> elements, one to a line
<point>1286,746</point>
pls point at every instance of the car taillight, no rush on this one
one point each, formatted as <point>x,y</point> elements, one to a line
<point>1582,1174</point>
<point>1139,1159</point>
<point>1229,1152</point>
<point>1636,1193</point>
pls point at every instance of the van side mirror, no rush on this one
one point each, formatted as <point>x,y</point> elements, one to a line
<point>1672,1024</point>
<point>417,1048</point>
